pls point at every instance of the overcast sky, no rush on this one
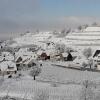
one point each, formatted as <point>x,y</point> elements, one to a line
<point>22,15</point>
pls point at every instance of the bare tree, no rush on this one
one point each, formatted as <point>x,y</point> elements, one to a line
<point>35,71</point>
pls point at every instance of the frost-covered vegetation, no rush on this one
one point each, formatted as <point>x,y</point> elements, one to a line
<point>64,66</point>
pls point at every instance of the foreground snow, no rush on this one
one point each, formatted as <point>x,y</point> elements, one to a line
<point>27,88</point>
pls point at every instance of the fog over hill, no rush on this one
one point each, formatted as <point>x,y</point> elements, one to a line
<point>9,28</point>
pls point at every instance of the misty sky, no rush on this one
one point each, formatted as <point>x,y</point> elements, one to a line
<point>22,15</point>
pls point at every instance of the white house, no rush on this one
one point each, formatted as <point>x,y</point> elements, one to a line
<point>6,56</point>
<point>8,66</point>
<point>22,59</point>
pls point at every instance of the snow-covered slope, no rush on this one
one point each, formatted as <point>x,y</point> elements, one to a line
<point>90,37</point>
<point>31,38</point>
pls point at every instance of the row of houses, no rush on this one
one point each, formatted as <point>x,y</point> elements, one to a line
<point>25,58</point>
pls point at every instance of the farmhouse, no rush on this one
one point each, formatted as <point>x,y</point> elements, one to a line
<point>23,59</point>
<point>8,67</point>
<point>97,52</point>
<point>67,57</point>
<point>43,56</point>
<point>96,58</point>
<point>6,56</point>
<point>46,54</point>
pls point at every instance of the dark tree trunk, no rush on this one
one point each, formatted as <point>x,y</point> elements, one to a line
<point>90,67</point>
<point>34,77</point>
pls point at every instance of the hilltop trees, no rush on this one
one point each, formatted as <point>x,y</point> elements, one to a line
<point>94,24</point>
<point>80,27</point>
<point>65,32</point>
<point>86,25</point>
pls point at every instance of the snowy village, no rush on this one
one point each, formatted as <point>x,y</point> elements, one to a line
<point>49,50</point>
<point>51,65</point>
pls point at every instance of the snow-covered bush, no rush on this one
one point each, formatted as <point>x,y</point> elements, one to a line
<point>87,52</point>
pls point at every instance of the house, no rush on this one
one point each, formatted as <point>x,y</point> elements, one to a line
<point>6,56</point>
<point>26,60</point>
<point>64,56</point>
<point>8,67</point>
<point>67,56</point>
<point>96,58</point>
<point>97,52</point>
<point>43,56</point>
<point>75,54</point>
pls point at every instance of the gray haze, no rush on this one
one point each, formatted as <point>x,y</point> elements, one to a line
<point>18,16</point>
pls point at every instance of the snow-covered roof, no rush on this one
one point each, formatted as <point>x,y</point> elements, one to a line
<point>39,52</point>
<point>5,64</point>
<point>7,56</point>
<point>80,60</point>
<point>25,55</point>
<point>75,53</point>
<point>92,29</point>
<point>64,54</point>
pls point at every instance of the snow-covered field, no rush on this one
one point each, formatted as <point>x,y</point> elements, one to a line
<point>64,75</point>
<point>28,89</point>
